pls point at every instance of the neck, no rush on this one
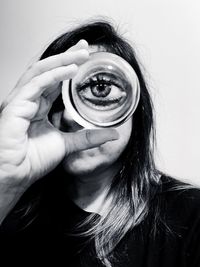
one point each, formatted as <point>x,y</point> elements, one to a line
<point>89,191</point>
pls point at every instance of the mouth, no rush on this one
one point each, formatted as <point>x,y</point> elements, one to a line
<point>85,154</point>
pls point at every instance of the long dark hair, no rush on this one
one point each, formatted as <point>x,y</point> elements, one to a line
<point>132,186</point>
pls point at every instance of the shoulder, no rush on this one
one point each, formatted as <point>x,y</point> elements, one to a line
<point>176,207</point>
<point>180,196</point>
<point>36,203</point>
<point>179,217</point>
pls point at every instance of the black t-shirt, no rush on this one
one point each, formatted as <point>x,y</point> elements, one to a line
<point>168,237</point>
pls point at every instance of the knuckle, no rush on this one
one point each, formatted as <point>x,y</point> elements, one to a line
<point>3,106</point>
<point>62,59</point>
<point>88,137</point>
<point>35,67</point>
<point>84,52</point>
<point>30,67</point>
<point>72,70</point>
<point>55,78</point>
<point>34,83</point>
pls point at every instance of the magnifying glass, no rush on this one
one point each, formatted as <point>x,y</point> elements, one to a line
<point>104,93</point>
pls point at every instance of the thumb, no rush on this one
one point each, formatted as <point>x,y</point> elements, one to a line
<point>86,139</point>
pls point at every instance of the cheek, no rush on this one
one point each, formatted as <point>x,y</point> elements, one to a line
<point>103,155</point>
<point>124,131</point>
<point>110,151</point>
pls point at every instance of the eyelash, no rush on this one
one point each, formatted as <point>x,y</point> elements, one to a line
<point>110,97</point>
<point>92,82</point>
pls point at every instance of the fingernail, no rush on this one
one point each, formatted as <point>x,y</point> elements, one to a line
<point>84,52</point>
<point>112,134</point>
<point>83,42</point>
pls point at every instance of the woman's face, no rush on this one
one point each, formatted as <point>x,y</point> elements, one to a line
<point>100,158</point>
<point>97,159</point>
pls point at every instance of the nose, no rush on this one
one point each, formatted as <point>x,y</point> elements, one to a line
<point>68,124</point>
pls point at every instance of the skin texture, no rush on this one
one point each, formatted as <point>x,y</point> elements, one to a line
<point>93,169</point>
<point>25,130</point>
<point>30,146</point>
<point>95,160</point>
<point>103,157</point>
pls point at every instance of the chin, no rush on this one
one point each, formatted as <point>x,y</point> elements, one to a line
<point>78,164</point>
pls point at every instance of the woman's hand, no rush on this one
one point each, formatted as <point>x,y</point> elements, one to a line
<point>30,146</point>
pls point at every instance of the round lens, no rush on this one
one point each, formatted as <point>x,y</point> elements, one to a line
<point>104,93</point>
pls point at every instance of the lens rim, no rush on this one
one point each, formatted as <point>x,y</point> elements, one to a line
<point>89,123</point>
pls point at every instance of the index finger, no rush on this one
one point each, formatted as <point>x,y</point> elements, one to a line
<point>77,54</point>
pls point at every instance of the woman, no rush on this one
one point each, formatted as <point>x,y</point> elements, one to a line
<point>88,197</point>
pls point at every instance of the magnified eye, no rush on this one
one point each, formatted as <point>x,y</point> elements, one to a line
<point>102,92</point>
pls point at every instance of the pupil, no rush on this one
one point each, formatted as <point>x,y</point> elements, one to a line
<point>101,90</point>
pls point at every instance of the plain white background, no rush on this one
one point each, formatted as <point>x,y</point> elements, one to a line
<point>166,35</point>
